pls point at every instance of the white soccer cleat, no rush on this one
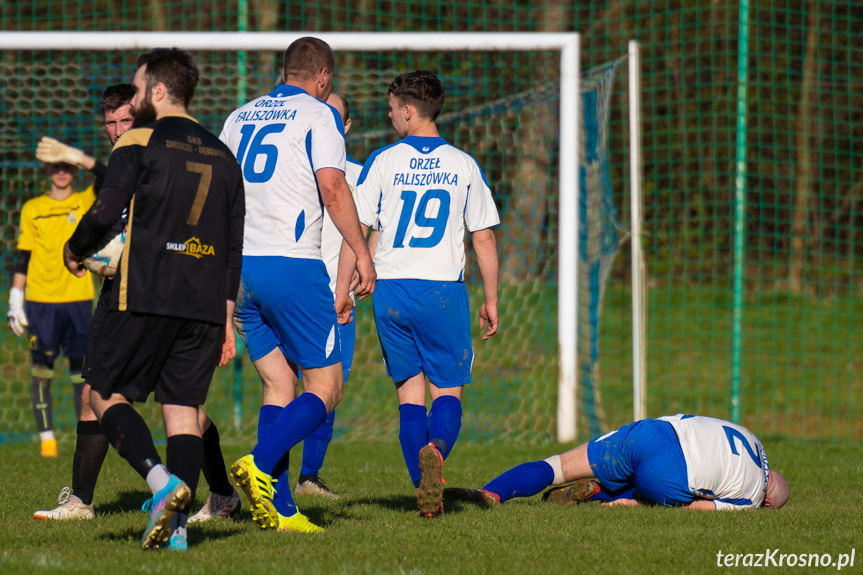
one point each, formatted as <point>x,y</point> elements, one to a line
<point>71,507</point>
<point>217,506</point>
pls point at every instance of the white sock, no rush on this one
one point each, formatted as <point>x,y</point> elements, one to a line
<point>554,461</point>
<point>158,478</point>
<point>46,435</point>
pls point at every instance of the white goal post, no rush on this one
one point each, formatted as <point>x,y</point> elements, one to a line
<point>568,237</point>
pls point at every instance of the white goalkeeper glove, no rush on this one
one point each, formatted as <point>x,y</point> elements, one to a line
<point>53,151</point>
<point>16,316</point>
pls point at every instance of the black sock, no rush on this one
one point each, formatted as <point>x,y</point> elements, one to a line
<point>183,455</point>
<point>213,463</point>
<point>128,433</point>
<point>91,447</point>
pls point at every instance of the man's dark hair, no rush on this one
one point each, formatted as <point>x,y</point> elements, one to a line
<point>116,96</point>
<point>173,67</point>
<point>344,104</point>
<point>420,89</point>
<point>306,57</point>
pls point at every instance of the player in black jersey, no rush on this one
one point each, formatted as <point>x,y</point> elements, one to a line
<point>91,445</point>
<point>166,328</point>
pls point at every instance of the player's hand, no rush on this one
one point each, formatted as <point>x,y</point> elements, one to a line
<point>229,345</point>
<point>622,503</point>
<point>344,307</point>
<point>73,262</point>
<point>16,316</point>
<point>368,277</point>
<point>53,151</point>
<point>488,315</point>
<point>355,281</point>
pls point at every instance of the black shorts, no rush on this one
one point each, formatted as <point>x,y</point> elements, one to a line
<point>103,305</point>
<point>136,353</point>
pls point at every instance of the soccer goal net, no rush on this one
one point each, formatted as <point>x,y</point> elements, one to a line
<point>553,143</point>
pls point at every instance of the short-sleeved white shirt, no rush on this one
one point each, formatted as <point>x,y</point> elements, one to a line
<point>331,239</point>
<point>281,140</point>
<point>725,462</point>
<point>422,193</point>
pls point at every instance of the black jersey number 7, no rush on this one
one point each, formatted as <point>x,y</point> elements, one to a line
<point>206,171</point>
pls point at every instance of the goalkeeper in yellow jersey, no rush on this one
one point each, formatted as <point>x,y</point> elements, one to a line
<point>58,305</point>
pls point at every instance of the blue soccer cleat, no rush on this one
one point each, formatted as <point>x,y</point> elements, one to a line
<point>178,541</point>
<point>162,507</point>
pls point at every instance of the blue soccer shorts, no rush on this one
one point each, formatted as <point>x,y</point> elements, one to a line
<point>424,326</point>
<point>56,326</point>
<point>287,303</point>
<point>644,456</point>
<point>348,335</point>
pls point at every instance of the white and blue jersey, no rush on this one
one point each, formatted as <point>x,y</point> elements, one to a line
<point>675,459</point>
<point>280,141</point>
<point>724,462</point>
<point>422,193</point>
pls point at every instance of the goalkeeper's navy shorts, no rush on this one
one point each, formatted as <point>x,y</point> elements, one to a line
<point>56,326</point>
<point>138,353</point>
<point>424,326</point>
<point>644,456</point>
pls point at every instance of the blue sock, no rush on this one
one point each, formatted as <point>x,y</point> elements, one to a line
<point>315,446</point>
<point>412,436</point>
<point>283,500</point>
<point>297,420</point>
<point>267,416</point>
<point>523,481</point>
<point>444,423</point>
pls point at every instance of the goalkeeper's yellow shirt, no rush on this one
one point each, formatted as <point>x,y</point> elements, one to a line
<point>46,225</point>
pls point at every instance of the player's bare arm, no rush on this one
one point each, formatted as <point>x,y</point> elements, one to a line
<point>702,505</point>
<point>229,340</point>
<point>337,198</point>
<point>485,246</point>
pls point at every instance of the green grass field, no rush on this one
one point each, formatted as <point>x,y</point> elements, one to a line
<point>374,529</point>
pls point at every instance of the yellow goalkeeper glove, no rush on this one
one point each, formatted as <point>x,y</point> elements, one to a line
<point>53,151</point>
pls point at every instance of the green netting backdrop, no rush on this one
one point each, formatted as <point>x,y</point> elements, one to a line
<point>794,352</point>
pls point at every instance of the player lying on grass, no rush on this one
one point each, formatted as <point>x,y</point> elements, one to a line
<point>677,460</point>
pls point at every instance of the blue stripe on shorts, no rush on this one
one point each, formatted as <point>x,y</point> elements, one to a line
<point>646,456</point>
<point>287,303</point>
